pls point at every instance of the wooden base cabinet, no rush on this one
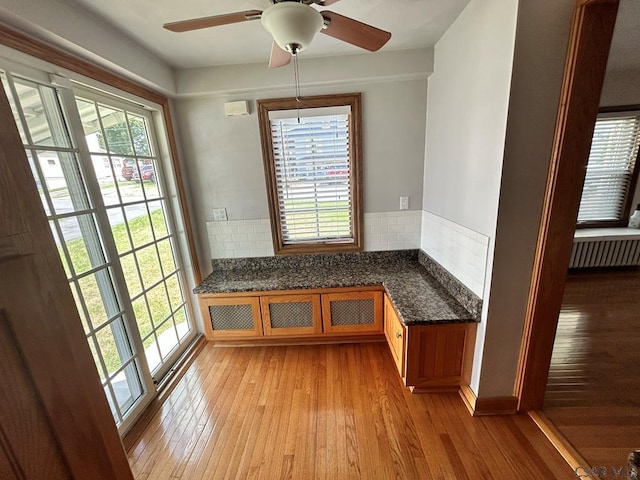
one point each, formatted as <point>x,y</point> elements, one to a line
<point>325,314</point>
<point>430,357</point>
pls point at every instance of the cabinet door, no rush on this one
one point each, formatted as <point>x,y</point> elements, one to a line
<point>396,335</point>
<point>291,314</point>
<point>436,356</point>
<point>352,312</point>
<point>231,317</point>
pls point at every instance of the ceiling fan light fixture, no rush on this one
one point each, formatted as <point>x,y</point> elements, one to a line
<point>292,25</point>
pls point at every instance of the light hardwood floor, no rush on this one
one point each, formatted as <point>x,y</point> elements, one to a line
<point>327,411</point>
<point>593,392</point>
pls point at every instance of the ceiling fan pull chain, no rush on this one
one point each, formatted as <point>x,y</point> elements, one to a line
<point>296,76</point>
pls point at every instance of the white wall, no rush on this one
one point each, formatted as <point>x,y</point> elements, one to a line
<point>491,113</point>
<point>68,26</point>
<point>621,87</point>
<point>467,114</point>
<point>224,160</point>
<point>538,68</point>
<point>466,120</point>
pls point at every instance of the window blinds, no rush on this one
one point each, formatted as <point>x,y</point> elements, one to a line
<point>614,149</point>
<point>313,177</point>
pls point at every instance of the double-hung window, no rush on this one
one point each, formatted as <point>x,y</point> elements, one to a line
<point>611,171</point>
<point>311,150</point>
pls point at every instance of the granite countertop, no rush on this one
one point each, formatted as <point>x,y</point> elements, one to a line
<point>418,296</point>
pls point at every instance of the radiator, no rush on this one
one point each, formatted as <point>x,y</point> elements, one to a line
<point>605,253</point>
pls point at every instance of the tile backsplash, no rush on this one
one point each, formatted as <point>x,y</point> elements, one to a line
<point>399,230</point>
<point>460,250</point>
<point>240,238</point>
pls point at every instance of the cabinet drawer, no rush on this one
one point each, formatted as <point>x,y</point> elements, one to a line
<point>353,312</point>
<point>291,314</point>
<point>396,335</point>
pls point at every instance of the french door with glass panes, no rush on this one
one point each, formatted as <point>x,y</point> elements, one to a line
<point>95,163</point>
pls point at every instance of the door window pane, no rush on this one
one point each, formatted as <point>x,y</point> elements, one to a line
<point>119,229</point>
<point>167,338</point>
<point>174,291</point>
<point>107,179</point>
<point>114,136</point>
<point>182,325</point>
<point>12,104</point>
<point>152,353</point>
<point>142,316</point>
<point>107,345</point>
<point>149,265</point>
<point>140,136</point>
<point>130,270</point>
<point>82,242</point>
<point>139,224</point>
<point>166,257</point>
<point>158,303</point>
<point>43,114</point>
<point>126,387</point>
<point>158,220</point>
<point>91,293</point>
<point>63,180</point>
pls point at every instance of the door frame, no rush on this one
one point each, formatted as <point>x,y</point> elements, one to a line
<point>591,35</point>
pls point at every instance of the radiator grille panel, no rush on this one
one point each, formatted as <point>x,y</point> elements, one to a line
<point>605,253</point>
<point>231,317</point>
<point>288,315</point>
<point>352,312</point>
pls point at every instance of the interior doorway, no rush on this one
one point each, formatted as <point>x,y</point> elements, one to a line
<point>588,387</point>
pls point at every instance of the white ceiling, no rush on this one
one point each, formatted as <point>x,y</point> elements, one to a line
<point>625,47</point>
<point>413,24</point>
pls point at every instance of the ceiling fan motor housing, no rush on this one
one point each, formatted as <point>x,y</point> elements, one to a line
<point>292,25</point>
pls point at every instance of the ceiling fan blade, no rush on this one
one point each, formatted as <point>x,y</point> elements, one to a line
<point>215,21</point>
<point>326,3</point>
<point>354,32</point>
<point>279,57</point>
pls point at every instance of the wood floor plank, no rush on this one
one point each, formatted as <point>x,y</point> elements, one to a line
<point>593,393</point>
<point>171,412</point>
<point>328,412</point>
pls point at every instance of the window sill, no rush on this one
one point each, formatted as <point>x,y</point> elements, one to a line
<point>596,234</point>
<point>318,248</point>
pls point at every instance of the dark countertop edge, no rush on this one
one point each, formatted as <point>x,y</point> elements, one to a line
<point>462,294</point>
<point>432,321</point>
<point>470,319</point>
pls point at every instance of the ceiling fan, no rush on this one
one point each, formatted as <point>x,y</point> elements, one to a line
<point>293,24</point>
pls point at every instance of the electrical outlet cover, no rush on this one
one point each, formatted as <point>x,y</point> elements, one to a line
<point>219,214</point>
<point>404,202</point>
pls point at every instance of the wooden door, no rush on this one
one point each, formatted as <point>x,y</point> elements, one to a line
<point>55,422</point>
